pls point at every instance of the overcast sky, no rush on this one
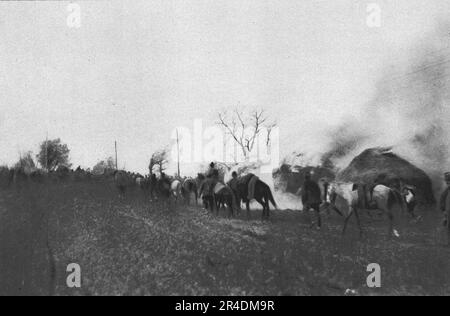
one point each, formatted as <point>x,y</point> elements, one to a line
<point>135,70</point>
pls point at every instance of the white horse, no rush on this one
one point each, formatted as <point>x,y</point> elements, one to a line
<point>176,189</point>
<point>352,197</point>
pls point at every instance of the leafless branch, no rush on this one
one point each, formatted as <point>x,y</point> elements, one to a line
<point>237,125</point>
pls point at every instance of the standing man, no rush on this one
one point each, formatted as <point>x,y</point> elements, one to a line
<point>213,172</point>
<point>233,185</point>
<point>212,178</point>
<point>445,205</point>
<point>409,197</point>
<point>311,197</point>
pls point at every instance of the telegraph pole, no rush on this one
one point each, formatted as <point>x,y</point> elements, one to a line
<point>46,152</point>
<point>115,147</point>
<point>178,154</point>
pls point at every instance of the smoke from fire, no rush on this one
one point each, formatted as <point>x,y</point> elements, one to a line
<point>409,112</point>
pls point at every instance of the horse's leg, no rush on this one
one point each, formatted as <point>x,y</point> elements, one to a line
<point>232,206</point>
<point>267,208</point>
<point>187,197</point>
<point>238,205</point>
<point>205,203</point>
<point>217,204</point>
<point>307,209</point>
<point>327,208</point>
<point>411,211</point>
<point>261,202</point>
<point>247,204</point>
<point>337,211</point>
<point>211,204</point>
<point>319,218</point>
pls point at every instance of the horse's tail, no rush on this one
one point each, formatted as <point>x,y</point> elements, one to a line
<point>271,199</point>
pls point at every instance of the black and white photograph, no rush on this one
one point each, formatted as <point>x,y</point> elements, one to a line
<point>225,154</point>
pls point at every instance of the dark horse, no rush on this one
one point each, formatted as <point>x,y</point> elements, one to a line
<point>214,200</point>
<point>225,197</point>
<point>189,187</point>
<point>262,195</point>
<point>163,187</point>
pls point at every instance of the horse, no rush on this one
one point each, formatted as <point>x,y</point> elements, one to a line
<point>352,197</point>
<point>163,187</point>
<point>224,196</point>
<point>189,187</point>
<point>206,191</point>
<point>175,189</point>
<point>263,195</point>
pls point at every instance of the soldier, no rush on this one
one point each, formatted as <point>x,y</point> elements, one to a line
<point>409,197</point>
<point>212,179</point>
<point>153,184</point>
<point>311,197</point>
<point>213,172</point>
<point>445,205</point>
<point>233,184</point>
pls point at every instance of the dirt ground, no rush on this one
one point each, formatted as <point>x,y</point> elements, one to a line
<point>131,246</point>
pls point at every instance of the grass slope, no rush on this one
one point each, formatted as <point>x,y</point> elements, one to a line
<point>133,247</point>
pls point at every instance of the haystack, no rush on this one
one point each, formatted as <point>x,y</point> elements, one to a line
<point>374,162</point>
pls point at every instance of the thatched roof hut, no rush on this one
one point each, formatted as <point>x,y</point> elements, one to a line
<point>372,163</point>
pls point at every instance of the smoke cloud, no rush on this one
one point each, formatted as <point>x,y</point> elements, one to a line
<point>409,112</point>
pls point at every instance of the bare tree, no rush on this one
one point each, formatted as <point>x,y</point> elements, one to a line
<point>245,128</point>
<point>159,159</point>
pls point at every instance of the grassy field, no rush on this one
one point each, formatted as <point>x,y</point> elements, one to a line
<point>133,247</point>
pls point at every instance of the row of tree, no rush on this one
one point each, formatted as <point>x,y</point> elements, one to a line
<point>54,154</point>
